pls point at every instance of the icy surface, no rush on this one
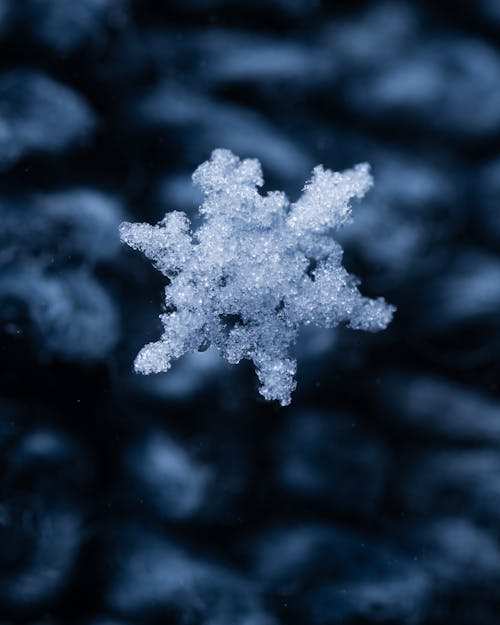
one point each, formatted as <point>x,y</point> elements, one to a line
<point>256,269</point>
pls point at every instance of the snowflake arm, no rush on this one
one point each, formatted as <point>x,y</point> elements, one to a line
<point>255,270</point>
<point>324,204</point>
<point>168,244</point>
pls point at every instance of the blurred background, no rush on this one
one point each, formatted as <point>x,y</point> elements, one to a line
<point>184,498</point>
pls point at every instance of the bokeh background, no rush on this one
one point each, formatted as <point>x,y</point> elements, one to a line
<point>184,498</point>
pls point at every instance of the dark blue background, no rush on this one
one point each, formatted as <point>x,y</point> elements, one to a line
<point>184,498</point>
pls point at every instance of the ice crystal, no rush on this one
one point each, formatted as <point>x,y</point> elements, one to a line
<point>256,270</point>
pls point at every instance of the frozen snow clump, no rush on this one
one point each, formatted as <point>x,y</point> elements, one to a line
<point>256,269</point>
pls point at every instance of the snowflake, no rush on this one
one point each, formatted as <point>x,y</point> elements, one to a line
<point>256,269</point>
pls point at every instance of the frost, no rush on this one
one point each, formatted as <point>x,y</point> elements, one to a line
<point>256,269</point>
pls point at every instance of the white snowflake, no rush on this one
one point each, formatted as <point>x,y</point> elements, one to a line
<point>256,269</point>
